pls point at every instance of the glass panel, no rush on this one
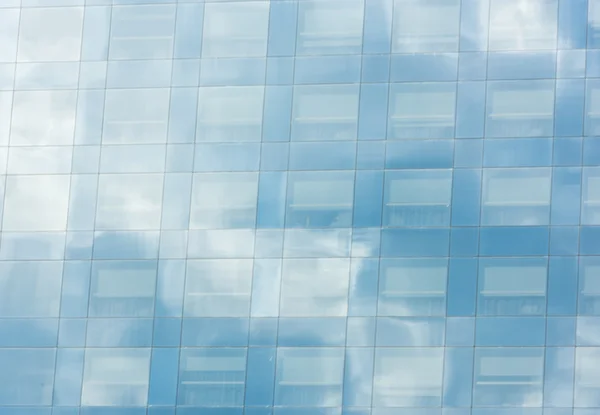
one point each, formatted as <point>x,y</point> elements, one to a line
<point>426,26</point>
<point>235,29</point>
<point>320,199</point>
<point>516,196</point>
<point>325,112</point>
<point>224,200</point>
<point>218,288</point>
<point>123,289</point>
<point>230,113</point>
<point>136,116</point>
<point>412,287</point>
<point>587,382</point>
<point>330,27</point>
<point>408,377</point>
<point>142,32</point>
<point>212,377</point>
<point>589,286</point>
<point>424,110</point>
<point>523,25</point>
<point>315,287</point>
<point>512,286</point>
<point>520,109</point>
<point>417,198</point>
<point>508,376</point>
<point>116,377</point>
<point>27,376</point>
<point>309,377</point>
<point>590,209</point>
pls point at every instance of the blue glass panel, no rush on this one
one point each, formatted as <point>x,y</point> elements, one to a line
<point>227,157</point>
<point>375,68</point>
<point>526,152</point>
<point>562,286</point>
<point>68,377</point>
<point>232,71</point>
<point>474,21</point>
<point>72,332</point>
<point>358,377</point>
<point>468,153</point>
<point>166,332</point>
<point>277,113</point>
<point>401,332</point>
<point>188,31</point>
<point>472,66</point>
<point>419,154</point>
<point>271,199</point>
<point>368,194</point>
<point>209,332</point>
<point>470,119</point>
<point>119,332</point>
<point>424,67</point>
<point>366,242</point>
<point>34,384</point>
<point>560,331</point>
<point>327,69</point>
<point>274,156</point>
<point>266,284</point>
<point>462,287</point>
<point>510,331</point>
<point>163,376</point>
<point>322,156</point>
<point>364,276</point>
<point>464,242</point>
<point>466,197</point>
<point>280,71</point>
<point>564,240</point>
<point>589,240</point>
<point>282,28</point>
<point>259,377</point>
<point>559,376</point>
<point>263,331</point>
<point>373,109</point>
<point>458,376</point>
<point>569,107</point>
<point>311,332</point>
<point>377,35</point>
<point>514,241</point>
<point>28,332</point>
<point>572,22</point>
<point>370,155</point>
<point>361,331</point>
<point>521,65</point>
<point>591,153</point>
<point>568,151</point>
<point>460,331</point>
<point>414,242</point>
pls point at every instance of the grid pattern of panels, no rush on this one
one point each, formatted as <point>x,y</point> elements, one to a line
<point>310,207</point>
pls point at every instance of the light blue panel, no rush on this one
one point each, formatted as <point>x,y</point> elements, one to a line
<point>377,35</point>
<point>72,332</point>
<point>589,240</point>
<point>460,332</point>
<point>470,118</point>
<point>90,109</point>
<point>587,327</point>
<point>75,289</point>
<point>559,376</point>
<point>68,377</point>
<point>373,111</point>
<point>474,25</point>
<point>169,288</point>
<point>591,151</point>
<point>182,117</point>
<point>560,331</point>
<point>227,157</point>
<point>259,376</point>
<point>238,243</point>
<point>569,107</point>
<point>568,151</point>
<point>96,28</point>
<point>36,367</point>
<point>375,68</point>
<point>370,155</point>
<point>415,242</point>
<point>468,153</point>
<point>167,332</point>
<point>271,199</point>
<point>274,156</point>
<point>364,279</point>
<point>458,376</point>
<point>466,197</point>
<point>424,67</point>
<point>592,64</point>
<point>107,410</point>
<point>280,71</point>
<point>282,28</point>
<point>277,113</point>
<point>510,331</point>
<point>464,242</point>
<point>119,332</point>
<point>398,331</point>
<point>564,240</point>
<point>526,152</point>
<point>360,332</point>
<point>419,154</point>
<point>164,368</point>
<point>263,331</point>
<point>572,23</point>
<point>139,74</point>
<point>333,155</point>
<point>268,243</point>
<point>317,243</point>
<point>232,71</point>
<point>462,287</point>
<point>566,194</point>
<point>571,63</point>
<point>472,66</point>
<point>358,377</point>
<point>207,332</point>
<point>514,241</point>
<point>327,69</point>
<point>368,195</point>
<point>521,65</point>
<point>366,242</point>
<point>311,332</point>
<point>562,286</point>
<point>28,332</point>
<point>188,31</point>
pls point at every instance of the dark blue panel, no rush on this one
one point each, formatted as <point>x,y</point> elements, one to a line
<point>589,240</point>
<point>470,109</point>
<point>564,240</point>
<point>311,332</point>
<point>464,242</point>
<point>462,287</point>
<point>466,197</point>
<point>368,196</point>
<point>521,65</point>
<point>514,241</point>
<point>419,154</point>
<point>277,113</point>
<point>569,107</point>
<point>167,332</point>
<point>28,332</point>
<point>271,200</point>
<point>526,152</point>
<point>259,376</point>
<point>468,153</point>
<point>164,369</point>
<point>282,25</point>
<point>263,331</point>
<point>562,285</point>
<point>378,26</point>
<point>225,332</point>
<point>568,151</point>
<point>415,242</point>
<point>375,68</point>
<point>370,155</point>
<point>373,112</point>
<point>510,331</point>
<point>572,24</point>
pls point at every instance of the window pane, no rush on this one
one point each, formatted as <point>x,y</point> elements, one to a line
<point>24,197</point>
<point>129,201</point>
<point>590,209</point>
<point>424,110</point>
<point>309,377</point>
<point>330,27</point>
<point>508,376</point>
<point>235,29</point>
<point>218,288</point>
<point>426,25</point>
<point>325,112</point>
<point>315,287</point>
<point>50,34</point>
<point>320,199</point>
<point>53,113</point>
<point>116,377</point>
<point>224,200</point>
<point>589,286</point>
<point>518,25</point>
<point>212,377</point>
<point>142,32</point>
<point>417,198</point>
<point>520,109</point>
<point>518,197</point>
<point>412,287</point>
<point>512,286</point>
<point>230,113</point>
<point>123,289</point>
<point>20,282</point>
<point>135,116</point>
<point>587,382</point>
<point>408,377</point>
<point>27,376</point>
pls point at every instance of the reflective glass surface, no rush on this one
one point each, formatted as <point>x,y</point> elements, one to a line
<point>300,207</point>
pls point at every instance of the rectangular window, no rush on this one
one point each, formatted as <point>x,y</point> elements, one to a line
<point>230,114</point>
<point>320,199</point>
<point>27,376</point>
<point>224,200</point>
<point>594,24</point>
<point>315,287</point>
<point>325,112</point>
<point>587,382</point>
<point>116,377</point>
<point>235,29</point>
<point>136,116</point>
<point>423,110</point>
<point>508,376</point>
<point>412,287</point>
<point>516,197</point>
<point>330,27</point>
<point>218,288</point>
<point>123,289</point>
<point>309,377</point>
<point>518,25</point>
<point>512,286</point>
<point>417,198</point>
<point>520,109</point>
<point>408,377</point>
<point>589,286</point>
<point>426,26</point>
<point>590,209</point>
<point>142,32</point>
<point>212,377</point>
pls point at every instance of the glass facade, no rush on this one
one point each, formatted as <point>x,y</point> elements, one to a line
<point>310,207</point>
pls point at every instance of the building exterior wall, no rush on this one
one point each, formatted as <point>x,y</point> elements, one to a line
<point>311,207</point>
